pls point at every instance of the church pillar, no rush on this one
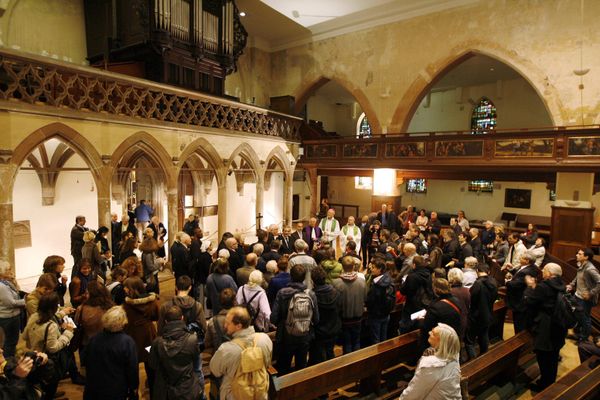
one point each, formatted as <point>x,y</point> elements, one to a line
<point>172,202</point>
<point>7,245</point>
<point>222,209</point>
<point>103,183</point>
<point>314,196</point>
<point>260,198</point>
<point>288,196</point>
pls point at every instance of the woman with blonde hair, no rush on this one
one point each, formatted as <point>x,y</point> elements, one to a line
<point>254,297</point>
<point>437,376</point>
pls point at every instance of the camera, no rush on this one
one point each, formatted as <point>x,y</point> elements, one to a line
<point>37,361</point>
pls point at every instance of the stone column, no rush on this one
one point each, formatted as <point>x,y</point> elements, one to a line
<point>222,210</point>
<point>7,245</point>
<point>260,198</point>
<point>314,196</point>
<point>288,198</point>
<point>172,203</point>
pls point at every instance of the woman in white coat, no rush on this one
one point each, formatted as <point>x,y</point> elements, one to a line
<point>438,375</point>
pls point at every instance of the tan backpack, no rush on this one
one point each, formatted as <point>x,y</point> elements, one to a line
<point>251,380</point>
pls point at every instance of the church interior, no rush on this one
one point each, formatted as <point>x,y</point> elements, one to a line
<point>248,113</point>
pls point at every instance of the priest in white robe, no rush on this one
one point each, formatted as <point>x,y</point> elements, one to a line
<point>350,232</point>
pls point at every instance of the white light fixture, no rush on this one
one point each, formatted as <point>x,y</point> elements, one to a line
<point>384,182</point>
<point>242,14</point>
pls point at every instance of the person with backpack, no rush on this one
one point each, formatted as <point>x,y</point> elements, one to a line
<point>549,332</point>
<point>380,301</point>
<point>329,302</point>
<point>172,356</point>
<point>254,298</point>
<point>295,313</point>
<point>586,287</point>
<point>193,316</point>
<point>242,362</point>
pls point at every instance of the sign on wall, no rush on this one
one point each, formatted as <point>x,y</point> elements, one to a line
<point>22,234</point>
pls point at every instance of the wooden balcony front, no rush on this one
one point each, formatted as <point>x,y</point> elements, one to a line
<point>41,85</point>
<point>526,155</point>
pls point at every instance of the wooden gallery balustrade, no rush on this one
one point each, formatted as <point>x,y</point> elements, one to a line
<point>40,85</point>
<point>524,154</point>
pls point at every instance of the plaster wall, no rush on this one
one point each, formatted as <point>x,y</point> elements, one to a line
<point>302,189</point>
<point>388,67</point>
<point>449,196</point>
<point>51,225</point>
<point>517,104</point>
<point>251,83</point>
<point>273,201</point>
<point>51,28</point>
<point>241,208</point>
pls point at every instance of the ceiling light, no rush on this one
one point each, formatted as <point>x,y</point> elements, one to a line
<point>492,69</point>
<point>242,14</point>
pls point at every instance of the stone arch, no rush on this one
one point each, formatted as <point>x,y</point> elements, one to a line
<point>142,144</point>
<point>202,147</point>
<point>310,86</point>
<point>247,152</point>
<point>431,73</point>
<point>278,156</point>
<point>68,135</point>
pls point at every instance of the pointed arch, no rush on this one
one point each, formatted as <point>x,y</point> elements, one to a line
<point>66,134</point>
<point>245,151</point>
<point>279,155</point>
<point>143,145</point>
<point>310,86</point>
<point>202,147</point>
<point>433,72</point>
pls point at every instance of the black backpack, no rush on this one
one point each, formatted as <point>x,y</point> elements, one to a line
<point>251,310</point>
<point>564,311</point>
<point>191,325</point>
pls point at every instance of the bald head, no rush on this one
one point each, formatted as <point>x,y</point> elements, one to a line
<point>252,259</point>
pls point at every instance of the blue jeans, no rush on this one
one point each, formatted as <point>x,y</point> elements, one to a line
<point>378,328</point>
<point>584,320</point>
<point>10,326</point>
<point>351,336</point>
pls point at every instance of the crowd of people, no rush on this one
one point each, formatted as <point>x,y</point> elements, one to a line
<point>312,286</point>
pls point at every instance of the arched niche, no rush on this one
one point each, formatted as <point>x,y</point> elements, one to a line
<point>342,93</point>
<point>457,82</point>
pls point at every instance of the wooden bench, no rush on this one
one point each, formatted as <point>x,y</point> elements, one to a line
<point>582,382</point>
<point>364,365</point>
<point>500,360</point>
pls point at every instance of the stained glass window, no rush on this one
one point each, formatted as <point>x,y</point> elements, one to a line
<point>481,185</point>
<point>483,119</point>
<point>363,129</point>
<point>416,186</point>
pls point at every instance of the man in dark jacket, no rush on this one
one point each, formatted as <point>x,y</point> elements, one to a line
<point>476,244</point>
<point>444,309</point>
<point>540,299</point>
<point>330,323</point>
<point>77,239</point>
<point>180,255</point>
<point>515,287</point>
<point>418,292</point>
<point>172,357</point>
<point>483,295</point>
<point>200,264</point>
<point>380,301</point>
<point>352,290</point>
<point>288,345</point>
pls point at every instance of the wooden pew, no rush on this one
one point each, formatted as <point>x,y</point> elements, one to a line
<point>500,360</point>
<point>364,365</point>
<point>582,382</point>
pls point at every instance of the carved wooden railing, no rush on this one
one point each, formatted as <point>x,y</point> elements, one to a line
<point>42,82</point>
<point>572,147</point>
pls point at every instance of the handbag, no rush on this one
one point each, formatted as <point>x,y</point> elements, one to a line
<point>60,360</point>
<point>77,339</point>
